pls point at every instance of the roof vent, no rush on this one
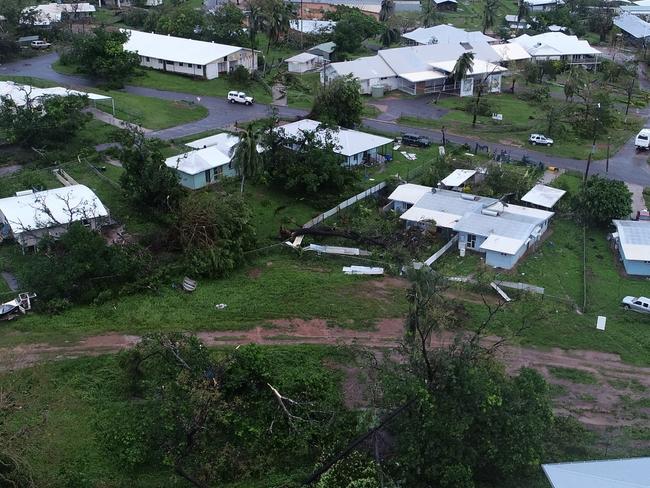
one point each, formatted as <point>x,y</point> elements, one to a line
<point>23,193</point>
<point>467,196</point>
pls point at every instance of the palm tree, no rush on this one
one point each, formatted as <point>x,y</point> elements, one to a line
<point>255,20</point>
<point>430,14</point>
<point>489,13</point>
<point>246,159</point>
<point>463,66</point>
<point>278,21</point>
<point>387,10</point>
<point>389,36</point>
<point>522,14</point>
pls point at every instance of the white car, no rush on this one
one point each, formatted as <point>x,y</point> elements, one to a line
<point>642,140</point>
<point>240,97</point>
<point>638,304</point>
<point>535,139</point>
<point>40,45</point>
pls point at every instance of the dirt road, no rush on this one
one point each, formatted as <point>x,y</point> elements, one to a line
<point>614,394</point>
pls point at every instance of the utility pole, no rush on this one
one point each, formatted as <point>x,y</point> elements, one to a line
<point>593,145</point>
<point>609,140</point>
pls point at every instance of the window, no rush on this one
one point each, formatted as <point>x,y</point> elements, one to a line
<point>208,178</point>
<point>180,64</point>
<point>147,58</point>
<point>218,171</point>
<point>471,241</point>
<point>160,61</point>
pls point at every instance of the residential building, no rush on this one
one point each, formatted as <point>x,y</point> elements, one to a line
<point>635,29</point>
<point>543,196</point>
<point>443,34</point>
<point>200,59</point>
<point>632,239</point>
<point>543,5</point>
<point>209,162</point>
<point>22,94</point>
<point>422,69</point>
<point>446,5</point>
<point>318,10</point>
<point>610,473</point>
<point>312,26</point>
<point>517,24</point>
<point>303,62</point>
<point>324,50</point>
<point>51,13</point>
<point>354,146</point>
<point>502,232</point>
<point>30,216</point>
<point>557,46</point>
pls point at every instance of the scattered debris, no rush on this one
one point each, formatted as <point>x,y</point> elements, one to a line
<point>363,270</point>
<point>409,156</point>
<point>600,322</point>
<point>346,251</point>
<point>500,292</point>
<point>220,306</point>
<point>189,284</point>
<point>22,304</point>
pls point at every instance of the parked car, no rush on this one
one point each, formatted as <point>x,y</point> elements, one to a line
<point>415,140</point>
<point>240,97</point>
<point>642,140</point>
<point>638,304</point>
<point>40,45</point>
<point>535,139</point>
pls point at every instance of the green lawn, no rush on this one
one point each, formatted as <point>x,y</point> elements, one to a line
<point>470,14</point>
<point>151,113</point>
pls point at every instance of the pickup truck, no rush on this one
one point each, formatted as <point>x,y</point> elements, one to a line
<point>240,97</point>
<point>642,140</point>
<point>40,45</point>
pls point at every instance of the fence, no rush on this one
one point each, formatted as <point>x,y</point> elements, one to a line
<point>350,201</point>
<point>441,251</point>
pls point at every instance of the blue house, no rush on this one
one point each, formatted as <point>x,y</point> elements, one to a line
<point>632,239</point>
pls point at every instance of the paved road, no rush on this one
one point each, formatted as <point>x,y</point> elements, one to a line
<point>626,164</point>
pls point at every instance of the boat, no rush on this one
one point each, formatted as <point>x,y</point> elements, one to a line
<point>21,304</point>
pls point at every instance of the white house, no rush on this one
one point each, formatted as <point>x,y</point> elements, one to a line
<point>610,473</point>
<point>303,62</point>
<point>443,34</point>
<point>201,59</point>
<point>29,216</point>
<point>405,196</point>
<point>50,13</point>
<point>543,5</point>
<point>422,69</point>
<point>635,28</point>
<point>515,23</point>
<point>22,94</point>
<point>543,196</point>
<point>632,239</point>
<point>312,26</point>
<point>354,146</point>
<point>503,232</point>
<point>557,46</point>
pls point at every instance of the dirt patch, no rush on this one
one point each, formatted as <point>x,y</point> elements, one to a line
<point>254,273</point>
<point>382,289</point>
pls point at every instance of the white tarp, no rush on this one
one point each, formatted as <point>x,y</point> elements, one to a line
<point>363,270</point>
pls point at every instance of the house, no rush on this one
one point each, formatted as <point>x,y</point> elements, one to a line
<point>201,167</point>
<point>543,5</point>
<point>510,52</point>
<point>632,239</point>
<point>354,146</point>
<point>200,59</point>
<point>557,46</point>
<point>30,216</point>
<point>446,5</point>
<point>543,196</point>
<point>515,23</point>
<point>636,30</point>
<point>318,10</point>
<point>610,473</point>
<point>422,69</point>
<point>303,62</point>
<point>51,13</point>
<point>324,50</point>
<point>443,34</point>
<point>405,196</point>
<point>22,94</point>
<point>459,178</point>
<point>502,232</point>
<point>312,26</point>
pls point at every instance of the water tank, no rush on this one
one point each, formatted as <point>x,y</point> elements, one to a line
<point>377,91</point>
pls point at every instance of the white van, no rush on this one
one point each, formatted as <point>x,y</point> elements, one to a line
<point>642,140</point>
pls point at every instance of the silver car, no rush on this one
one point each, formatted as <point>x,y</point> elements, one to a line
<point>638,304</point>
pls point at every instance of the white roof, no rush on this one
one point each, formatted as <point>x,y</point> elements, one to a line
<point>507,245</point>
<point>365,68</point>
<point>49,208</point>
<point>408,193</point>
<point>423,76</point>
<point>194,162</point>
<point>536,3</point>
<point>177,49</point>
<point>446,207</point>
<point>511,52</point>
<point>458,177</point>
<point>479,67</point>
<point>615,473</point>
<point>442,219</point>
<point>634,239</point>
<point>19,94</point>
<point>445,34</point>
<point>223,141</point>
<point>633,25</point>
<point>348,142</point>
<point>312,26</point>
<point>544,196</point>
<point>554,44</point>
<point>51,12</point>
<point>301,58</point>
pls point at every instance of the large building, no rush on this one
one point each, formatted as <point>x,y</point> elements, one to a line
<point>30,216</point>
<point>199,59</point>
<point>443,34</point>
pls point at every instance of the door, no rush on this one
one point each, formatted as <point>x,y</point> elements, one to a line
<point>208,178</point>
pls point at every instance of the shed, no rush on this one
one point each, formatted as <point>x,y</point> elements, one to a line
<point>611,473</point>
<point>632,238</point>
<point>303,62</point>
<point>323,50</point>
<point>543,196</point>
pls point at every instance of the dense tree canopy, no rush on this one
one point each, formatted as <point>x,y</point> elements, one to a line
<point>602,200</point>
<point>339,102</point>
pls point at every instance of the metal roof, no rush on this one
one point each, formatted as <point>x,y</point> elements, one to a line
<point>633,25</point>
<point>301,58</point>
<point>194,162</point>
<point>510,52</point>
<point>554,44</point>
<point>634,239</point>
<point>535,3</point>
<point>458,177</point>
<point>19,94</point>
<point>452,203</point>
<point>49,208</point>
<point>544,196</point>
<point>347,142</point>
<point>326,47</point>
<point>365,68</point>
<point>409,193</point>
<point>615,473</point>
<point>177,49</point>
<point>224,141</point>
<point>48,13</point>
<point>445,34</point>
<point>312,26</point>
